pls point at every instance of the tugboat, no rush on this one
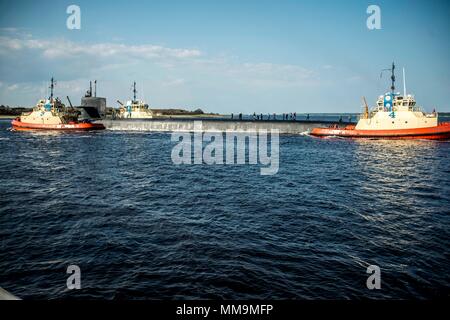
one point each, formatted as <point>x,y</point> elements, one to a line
<point>52,114</point>
<point>395,116</point>
<point>134,109</point>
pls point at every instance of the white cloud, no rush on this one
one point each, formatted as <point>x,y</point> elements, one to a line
<point>174,82</point>
<point>170,76</point>
<point>108,56</point>
<point>12,87</point>
<point>274,74</point>
<point>256,75</point>
<point>54,49</point>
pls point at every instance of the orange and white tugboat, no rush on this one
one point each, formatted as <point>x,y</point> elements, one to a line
<point>52,114</point>
<point>395,116</point>
<point>134,109</point>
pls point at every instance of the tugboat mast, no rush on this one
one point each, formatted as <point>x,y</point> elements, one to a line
<point>393,78</point>
<point>134,91</point>
<point>52,85</point>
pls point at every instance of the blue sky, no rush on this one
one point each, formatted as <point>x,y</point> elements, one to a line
<point>226,56</point>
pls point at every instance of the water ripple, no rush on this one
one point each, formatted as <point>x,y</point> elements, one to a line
<point>140,227</point>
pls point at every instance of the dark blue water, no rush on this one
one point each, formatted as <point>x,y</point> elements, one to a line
<point>140,227</point>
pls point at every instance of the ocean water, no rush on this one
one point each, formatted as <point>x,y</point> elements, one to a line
<point>140,227</point>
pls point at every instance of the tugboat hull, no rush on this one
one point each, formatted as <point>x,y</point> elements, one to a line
<point>83,126</point>
<point>440,132</point>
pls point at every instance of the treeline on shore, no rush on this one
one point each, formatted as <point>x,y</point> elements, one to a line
<point>13,111</point>
<point>176,112</point>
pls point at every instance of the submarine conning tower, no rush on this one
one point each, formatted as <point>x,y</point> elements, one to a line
<point>90,100</point>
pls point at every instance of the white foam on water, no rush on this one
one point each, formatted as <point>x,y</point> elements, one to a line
<point>305,133</point>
